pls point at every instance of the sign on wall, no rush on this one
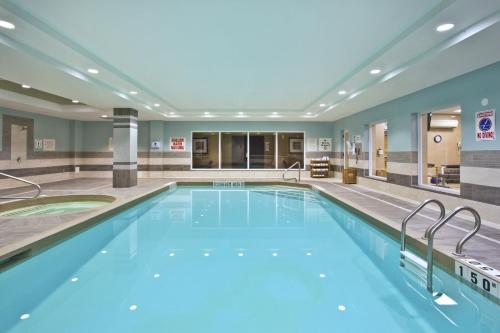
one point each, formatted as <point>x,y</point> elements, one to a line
<point>325,144</point>
<point>177,144</point>
<point>485,125</point>
<point>312,144</point>
<point>49,144</point>
<point>38,144</point>
<point>155,145</point>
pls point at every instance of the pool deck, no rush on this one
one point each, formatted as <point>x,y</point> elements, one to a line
<point>390,210</point>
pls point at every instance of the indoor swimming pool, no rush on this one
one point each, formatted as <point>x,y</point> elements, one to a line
<point>240,259</point>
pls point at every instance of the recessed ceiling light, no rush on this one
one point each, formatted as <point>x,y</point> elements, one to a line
<point>7,25</point>
<point>157,105</point>
<point>93,71</point>
<point>342,92</point>
<point>240,113</point>
<point>322,105</point>
<point>457,111</point>
<point>375,71</point>
<point>133,92</point>
<point>75,101</point>
<point>308,113</point>
<point>147,107</point>
<point>206,112</point>
<point>275,113</point>
<point>25,86</point>
<point>24,316</point>
<point>453,116</point>
<point>445,27</point>
<point>171,113</point>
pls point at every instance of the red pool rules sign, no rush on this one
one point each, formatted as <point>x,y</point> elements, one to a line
<point>177,144</point>
<point>485,125</point>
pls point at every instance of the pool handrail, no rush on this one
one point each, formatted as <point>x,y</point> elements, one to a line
<point>288,169</point>
<point>36,186</point>
<point>460,244</point>
<point>442,213</point>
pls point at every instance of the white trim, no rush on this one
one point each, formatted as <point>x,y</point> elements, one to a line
<point>378,177</point>
<point>439,189</point>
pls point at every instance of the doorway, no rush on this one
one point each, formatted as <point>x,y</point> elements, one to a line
<point>378,150</point>
<point>439,149</point>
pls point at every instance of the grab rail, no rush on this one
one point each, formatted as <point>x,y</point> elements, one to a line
<point>288,169</point>
<point>460,244</point>
<point>414,212</point>
<point>38,188</point>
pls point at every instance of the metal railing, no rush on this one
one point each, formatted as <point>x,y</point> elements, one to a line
<point>36,186</point>
<point>460,244</point>
<point>290,168</point>
<point>419,208</point>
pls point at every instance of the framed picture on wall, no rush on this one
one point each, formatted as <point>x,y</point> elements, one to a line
<point>296,145</point>
<point>200,146</point>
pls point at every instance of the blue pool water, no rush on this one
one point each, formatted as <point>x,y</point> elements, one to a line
<point>255,259</point>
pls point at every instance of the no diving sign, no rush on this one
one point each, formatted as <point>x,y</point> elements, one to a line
<point>485,125</point>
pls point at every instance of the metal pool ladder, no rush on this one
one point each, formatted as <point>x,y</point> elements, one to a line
<point>36,186</point>
<point>427,265</point>
<point>290,168</point>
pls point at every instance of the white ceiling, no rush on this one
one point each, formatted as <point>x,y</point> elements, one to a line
<point>227,57</point>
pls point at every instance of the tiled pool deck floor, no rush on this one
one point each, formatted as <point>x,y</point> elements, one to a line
<point>485,246</point>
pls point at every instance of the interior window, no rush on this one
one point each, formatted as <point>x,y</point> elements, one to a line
<point>205,148</point>
<point>290,149</point>
<point>234,150</point>
<point>441,145</point>
<point>378,149</point>
<point>262,150</point>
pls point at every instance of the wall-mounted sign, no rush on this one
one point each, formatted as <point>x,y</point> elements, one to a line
<point>485,125</point>
<point>177,144</point>
<point>357,139</point>
<point>38,144</point>
<point>49,144</point>
<point>325,144</point>
<point>155,145</point>
<point>312,144</point>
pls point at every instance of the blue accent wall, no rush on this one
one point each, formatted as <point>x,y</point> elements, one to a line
<point>467,91</point>
<point>45,127</point>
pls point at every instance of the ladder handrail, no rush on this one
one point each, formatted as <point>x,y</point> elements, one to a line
<point>460,244</point>
<point>414,212</point>
<point>288,169</point>
<point>38,188</point>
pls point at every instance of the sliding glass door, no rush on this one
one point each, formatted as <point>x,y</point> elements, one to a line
<point>234,150</point>
<point>247,150</point>
<point>290,149</point>
<point>205,148</point>
<point>262,150</point>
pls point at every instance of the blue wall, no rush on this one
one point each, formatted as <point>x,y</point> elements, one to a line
<point>46,127</point>
<point>466,91</point>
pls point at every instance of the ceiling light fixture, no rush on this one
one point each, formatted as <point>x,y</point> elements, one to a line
<point>93,71</point>
<point>308,113</point>
<point>7,25</point>
<point>205,113</point>
<point>342,92</point>
<point>25,86</point>
<point>457,111</point>
<point>172,113</point>
<point>75,101</point>
<point>133,92</point>
<point>322,105</point>
<point>445,27</point>
<point>157,105</point>
<point>375,71</point>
